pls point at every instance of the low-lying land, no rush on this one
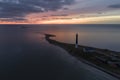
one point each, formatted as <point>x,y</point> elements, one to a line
<point>103,59</point>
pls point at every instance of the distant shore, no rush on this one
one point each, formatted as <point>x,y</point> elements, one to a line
<point>103,59</point>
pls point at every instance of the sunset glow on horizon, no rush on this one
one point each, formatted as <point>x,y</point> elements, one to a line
<point>60,12</point>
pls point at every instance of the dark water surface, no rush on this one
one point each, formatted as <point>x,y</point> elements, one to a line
<point>24,54</point>
<point>100,36</point>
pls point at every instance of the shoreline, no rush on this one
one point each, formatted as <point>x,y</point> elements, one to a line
<point>90,58</point>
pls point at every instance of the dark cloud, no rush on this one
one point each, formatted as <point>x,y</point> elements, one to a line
<point>13,19</point>
<point>65,8</point>
<point>20,8</point>
<point>114,6</point>
<point>59,15</point>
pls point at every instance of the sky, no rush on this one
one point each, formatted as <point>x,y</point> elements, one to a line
<point>59,11</point>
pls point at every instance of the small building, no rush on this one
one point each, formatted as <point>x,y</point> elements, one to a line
<point>89,50</point>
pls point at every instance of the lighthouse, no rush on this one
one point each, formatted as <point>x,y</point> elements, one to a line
<point>76,44</point>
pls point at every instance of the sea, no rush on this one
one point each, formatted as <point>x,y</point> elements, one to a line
<point>25,54</point>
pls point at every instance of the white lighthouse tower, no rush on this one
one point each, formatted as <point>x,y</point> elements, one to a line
<point>76,44</point>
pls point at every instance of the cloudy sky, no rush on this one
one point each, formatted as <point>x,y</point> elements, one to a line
<point>59,11</point>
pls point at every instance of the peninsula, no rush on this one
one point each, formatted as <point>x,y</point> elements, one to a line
<point>103,59</point>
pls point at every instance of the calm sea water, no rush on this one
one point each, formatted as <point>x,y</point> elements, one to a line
<point>100,36</point>
<point>25,54</point>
